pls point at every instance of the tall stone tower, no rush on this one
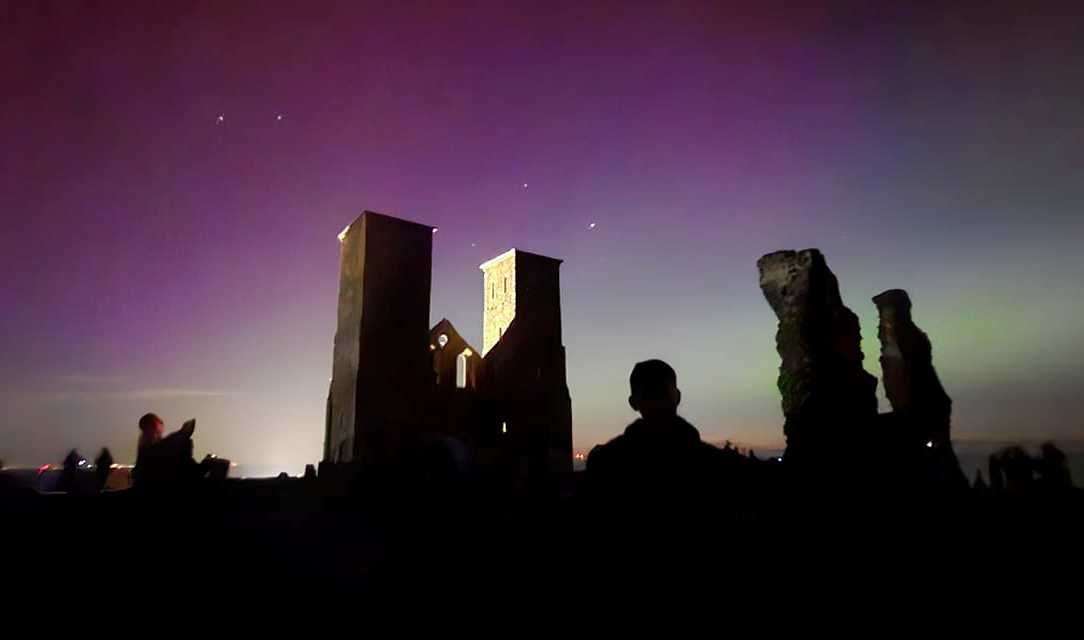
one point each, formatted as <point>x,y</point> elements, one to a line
<point>500,299</point>
<point>525,357</point>
<point>381,364</point>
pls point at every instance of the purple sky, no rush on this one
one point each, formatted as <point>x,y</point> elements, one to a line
<point>156,258</point>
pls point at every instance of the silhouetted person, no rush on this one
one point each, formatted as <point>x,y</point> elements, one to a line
<point>164,462</point>
<point>69,477</point>
<point>1017,469</point>
<point>151,429</point>
<point>102,466</point>
<point>660,457</point>
<point>1053,469</point>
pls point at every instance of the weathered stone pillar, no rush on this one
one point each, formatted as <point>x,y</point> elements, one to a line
<point>911,384</point>
<point>921,410</point>
<point>829,400</point>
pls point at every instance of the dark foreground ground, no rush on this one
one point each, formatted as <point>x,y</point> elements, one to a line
<point>289,538</point>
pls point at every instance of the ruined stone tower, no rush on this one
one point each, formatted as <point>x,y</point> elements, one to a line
<point>381,363</point>
<point>525,357</point>
<point>499,306</point>
<point>400,388</point>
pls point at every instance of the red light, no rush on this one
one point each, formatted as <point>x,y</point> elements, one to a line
<point>42,469</point>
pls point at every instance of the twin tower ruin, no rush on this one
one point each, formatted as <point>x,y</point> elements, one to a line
<point>399,385</point>
<point>402,389</point>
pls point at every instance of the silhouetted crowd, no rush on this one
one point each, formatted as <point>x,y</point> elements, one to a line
<point>659,459</point>
<point>1013,470</point>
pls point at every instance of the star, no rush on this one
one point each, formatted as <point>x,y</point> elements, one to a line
<point>524,185</point>
<point>221,118</point>
<point>473,244</point>
<point>278,117</point>
<point>591,226</point>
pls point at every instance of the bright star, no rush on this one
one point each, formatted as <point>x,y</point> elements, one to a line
<point>278,117</point>
<point>591,226</point>
<point>524,185</point>
<point>221,118</point>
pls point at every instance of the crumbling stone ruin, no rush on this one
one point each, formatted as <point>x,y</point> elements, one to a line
<point>921,416</point>
<point>910,382</point>
<point>829,400</point>
<point>403,393</point>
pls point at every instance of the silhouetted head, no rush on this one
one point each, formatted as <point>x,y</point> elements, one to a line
<point>654,391</point>
<point>1051,453</point>
<point>72,460</point>
<point>150,429</point>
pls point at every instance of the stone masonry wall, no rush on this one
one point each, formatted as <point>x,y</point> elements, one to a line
<point>499,293</point>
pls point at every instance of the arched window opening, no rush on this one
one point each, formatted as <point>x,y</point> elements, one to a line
<point>461,371</point>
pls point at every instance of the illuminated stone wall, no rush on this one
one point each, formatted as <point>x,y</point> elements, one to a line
<point>525,367</point>
<point>499,294</point>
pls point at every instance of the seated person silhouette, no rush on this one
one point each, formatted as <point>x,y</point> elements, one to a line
<point>660,456</point>
<point>164,462</point>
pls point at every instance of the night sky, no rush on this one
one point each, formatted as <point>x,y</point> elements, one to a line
<point>172,181</point>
